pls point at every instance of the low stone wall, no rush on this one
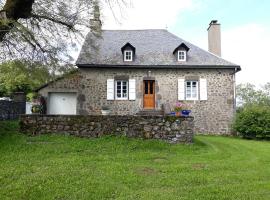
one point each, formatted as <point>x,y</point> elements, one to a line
<point>170,128</point>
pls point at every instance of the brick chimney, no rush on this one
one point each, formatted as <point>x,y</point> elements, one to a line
<point>214,38</point>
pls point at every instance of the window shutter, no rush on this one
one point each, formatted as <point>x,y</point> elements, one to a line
<point>203,89</point>
<point>132,89</point>
<point>181,89</point>
<point>110,89</point>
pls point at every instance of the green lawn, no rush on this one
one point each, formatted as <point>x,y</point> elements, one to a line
<point>65,167</point>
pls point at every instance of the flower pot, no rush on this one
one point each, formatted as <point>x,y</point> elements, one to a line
<point>185,112</point>
<point>173,114</point>
<point>178,113</point>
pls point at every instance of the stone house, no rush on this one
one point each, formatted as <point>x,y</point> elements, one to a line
<point>137,71</point>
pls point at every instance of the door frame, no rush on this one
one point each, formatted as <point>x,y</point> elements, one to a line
<point>154,92</point>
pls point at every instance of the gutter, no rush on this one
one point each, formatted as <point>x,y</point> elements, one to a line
<point>236,67</point>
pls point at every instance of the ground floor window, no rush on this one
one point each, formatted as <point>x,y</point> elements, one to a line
<point>121,89</point>
<point>192,90</point>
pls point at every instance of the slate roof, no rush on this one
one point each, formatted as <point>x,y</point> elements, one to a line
<point>154,47</point>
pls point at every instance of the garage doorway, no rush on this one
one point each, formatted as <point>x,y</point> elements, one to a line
<point>62,103</point>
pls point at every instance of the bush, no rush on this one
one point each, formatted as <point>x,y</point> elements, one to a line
<point>253,121</point>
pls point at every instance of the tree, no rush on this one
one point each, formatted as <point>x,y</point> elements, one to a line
<point>22,76</point>
<point>248,94</point>
<point>47,30</point>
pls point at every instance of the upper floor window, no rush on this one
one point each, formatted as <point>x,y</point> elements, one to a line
<point>128,55</point>
<point>192,92</point>
<point>182,55</point>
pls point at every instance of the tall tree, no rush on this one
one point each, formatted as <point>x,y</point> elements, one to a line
<point>47,30</point>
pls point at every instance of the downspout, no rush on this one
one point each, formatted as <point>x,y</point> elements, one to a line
<point>234,89</point>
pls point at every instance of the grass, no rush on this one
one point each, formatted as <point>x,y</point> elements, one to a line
<point>65,167</point>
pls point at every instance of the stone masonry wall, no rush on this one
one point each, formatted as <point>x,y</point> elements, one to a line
<point>172,129</point>
<point>69,83</point>
<point>213,116</point>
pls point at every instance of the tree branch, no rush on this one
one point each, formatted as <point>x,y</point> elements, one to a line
<point>68,25</point>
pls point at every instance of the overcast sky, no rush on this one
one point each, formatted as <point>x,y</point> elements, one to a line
<point>245,28</point>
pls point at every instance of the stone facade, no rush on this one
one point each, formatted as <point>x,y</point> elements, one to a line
<point>169,128</point>
<point>69,83</point>
<point>213,116</point>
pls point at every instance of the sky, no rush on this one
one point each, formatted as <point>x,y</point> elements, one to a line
<point>245,28</point>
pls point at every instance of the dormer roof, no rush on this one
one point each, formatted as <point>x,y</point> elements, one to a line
<point>128,46</point>
<point>182,46</point>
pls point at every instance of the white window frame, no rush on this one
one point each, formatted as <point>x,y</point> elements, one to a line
<point>179,56</point>
<point>125,55</point>
<point>115,91</point>
<point>191,90</point>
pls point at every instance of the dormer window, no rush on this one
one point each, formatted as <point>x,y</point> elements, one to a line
<point>128,52</point>
<point>182,55</point>
<point>180,52</point>
<point>128,55</point>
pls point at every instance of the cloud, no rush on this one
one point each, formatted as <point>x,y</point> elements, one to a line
<point>248,45</point>
<point>142,14</point>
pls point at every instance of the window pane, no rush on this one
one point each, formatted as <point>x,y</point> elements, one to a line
<point>151,87</point>
<point>194,94</point>
<point>145,87</point>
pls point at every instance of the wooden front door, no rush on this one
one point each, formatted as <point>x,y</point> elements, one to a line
<point>149,94</point>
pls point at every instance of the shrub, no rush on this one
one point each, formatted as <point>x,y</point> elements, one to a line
<point>253,121</point>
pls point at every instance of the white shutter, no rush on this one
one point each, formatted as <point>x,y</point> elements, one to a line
<point>132,89</point>
<point>203,89</point>
<point>110,89</point>
<point>181,89</point>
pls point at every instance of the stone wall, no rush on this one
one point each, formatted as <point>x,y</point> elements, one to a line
<point>68,83</point>
<point>169,128</point>
<point>213,116</point>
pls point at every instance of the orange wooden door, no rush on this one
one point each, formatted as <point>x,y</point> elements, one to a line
<point>149,94</point>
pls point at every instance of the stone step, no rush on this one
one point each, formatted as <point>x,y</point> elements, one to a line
<point>151,112</point>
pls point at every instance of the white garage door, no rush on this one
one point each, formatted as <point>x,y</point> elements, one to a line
<point>62,103</point>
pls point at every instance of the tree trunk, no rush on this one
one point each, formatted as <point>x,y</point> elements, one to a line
<point>12,11</point>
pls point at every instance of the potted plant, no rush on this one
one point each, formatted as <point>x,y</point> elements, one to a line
<point>181,109</point>
<point>178,108</point>
<point>105,110</point>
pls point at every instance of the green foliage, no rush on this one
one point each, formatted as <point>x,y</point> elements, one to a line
<point>248,94</point>
<point>253,121</point>
<point>66,167</point>
<point>253,116</point>
<point>22,76</point>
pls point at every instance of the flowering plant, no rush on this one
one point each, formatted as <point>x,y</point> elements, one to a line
<point>178,107</point>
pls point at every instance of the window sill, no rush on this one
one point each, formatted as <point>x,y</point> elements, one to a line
<point>121,99</point>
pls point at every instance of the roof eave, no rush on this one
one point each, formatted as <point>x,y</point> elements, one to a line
<point>237,67</point>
